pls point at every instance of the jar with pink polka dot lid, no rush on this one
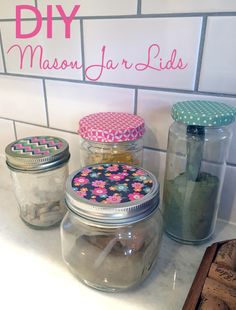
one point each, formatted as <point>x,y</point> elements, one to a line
<point>109,137</point>
<point>112,231</point>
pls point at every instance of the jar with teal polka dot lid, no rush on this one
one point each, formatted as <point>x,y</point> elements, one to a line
<point>198,144</point>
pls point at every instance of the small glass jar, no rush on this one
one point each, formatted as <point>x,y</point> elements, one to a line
<point>112,231</point>
<point>39,169</point>
<point>196,158</point>
<point>111,137</point>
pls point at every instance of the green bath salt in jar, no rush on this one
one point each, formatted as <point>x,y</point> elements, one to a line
<point>196,157</point>
<point>112,230</point>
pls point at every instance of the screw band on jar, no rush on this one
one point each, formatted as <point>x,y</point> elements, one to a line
<point>37,153</point>
<point>112,193</point>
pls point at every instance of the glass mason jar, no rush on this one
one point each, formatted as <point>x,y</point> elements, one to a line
<point>112,231</point>
<point>39,169</point>
<point>196,158</point>
<point>111,137</point>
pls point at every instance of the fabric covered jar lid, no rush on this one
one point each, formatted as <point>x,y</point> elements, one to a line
<point>37,153</point>
<point>111,127</point>
<point>203,113</point>
<point>112,193</point>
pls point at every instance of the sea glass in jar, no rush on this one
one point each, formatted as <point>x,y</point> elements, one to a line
<point>196,158</point>
<point>112,231</point>
<point>111,137</point>
<point>39,169</point>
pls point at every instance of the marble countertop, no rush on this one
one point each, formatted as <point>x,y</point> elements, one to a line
<point>33,275</point>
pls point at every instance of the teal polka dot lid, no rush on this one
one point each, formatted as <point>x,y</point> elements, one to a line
<point>203,113</point>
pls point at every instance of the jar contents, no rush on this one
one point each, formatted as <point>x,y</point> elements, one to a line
<point>195,222</point>
<point>117,156</point>
<point>111,137</point>
<point>112,231</point>
<point>113,260</point>
<point>42,200</point>
<point>39,171</point>
<point>43,214</point>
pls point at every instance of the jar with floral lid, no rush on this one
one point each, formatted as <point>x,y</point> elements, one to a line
<point>39,169</point>
<point>112,230</point>
<point>198,145</point>
<point>111,137</point>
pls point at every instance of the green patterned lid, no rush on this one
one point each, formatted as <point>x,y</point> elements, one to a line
<point>203,113</point>
<point>37,153</point>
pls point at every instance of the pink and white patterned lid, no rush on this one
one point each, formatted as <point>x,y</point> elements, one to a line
<point>111,127</point>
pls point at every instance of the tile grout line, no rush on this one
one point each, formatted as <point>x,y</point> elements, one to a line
<point>139,8</point>
<point>3,56</point>
<point>231,164</point>
<point>132,16</point>
<point>46,102</point>
<point>38,125</point>
<point>200,53</point>
<point>135,101</point>
<point>82,47</point>
<point>116,85</point>
<point>15,131</point>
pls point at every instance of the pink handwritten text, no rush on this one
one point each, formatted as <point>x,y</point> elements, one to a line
<point>36,58</point>
<point>155,60</point>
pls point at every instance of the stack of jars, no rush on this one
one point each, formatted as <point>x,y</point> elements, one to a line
<point>112,230</point>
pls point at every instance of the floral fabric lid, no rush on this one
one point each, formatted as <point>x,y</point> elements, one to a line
<point>37,153</point>
<point>112,193</point>
<point>111,127</point>
<point>203,113</point>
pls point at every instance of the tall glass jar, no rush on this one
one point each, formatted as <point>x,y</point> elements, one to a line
<point>39,169</point>
<point>111,137</point>
<point>196,156</point>
<point>112,231</point>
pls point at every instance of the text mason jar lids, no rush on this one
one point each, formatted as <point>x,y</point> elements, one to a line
<point>112,193</point>
<point>111,127</point>
<point>203,113</point>
<point>37,153</point>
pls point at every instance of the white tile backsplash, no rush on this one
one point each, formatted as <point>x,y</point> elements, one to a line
<point>58,47</point>
<point>187,6</point>
<point>8,8</point>
<point>24,130</point>
<point>130,39</point>
<point>227,209</point>
<point>7,134</point>
<point>155,162</point>
<point>92,7</point>
<point>155,108</point>
<point>219,61</point>
<point>22,99</point>
<point>68,102</point>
